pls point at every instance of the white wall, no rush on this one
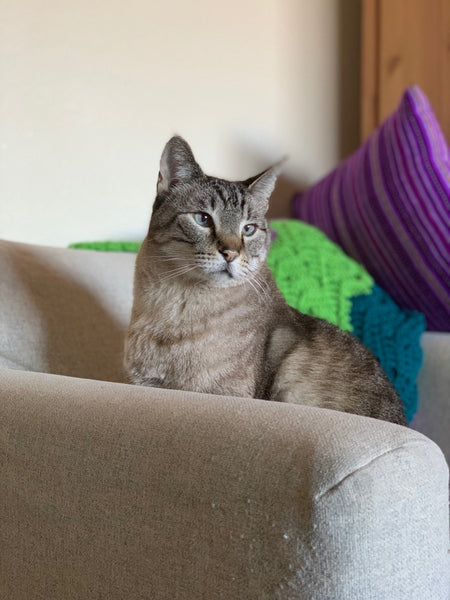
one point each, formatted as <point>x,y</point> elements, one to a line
<point>91,91</point>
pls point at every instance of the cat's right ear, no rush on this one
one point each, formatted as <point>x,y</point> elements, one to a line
<point>263,184</point>
<point>177,164</point>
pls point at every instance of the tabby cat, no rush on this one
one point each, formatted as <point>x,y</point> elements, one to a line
<point>208,317</point>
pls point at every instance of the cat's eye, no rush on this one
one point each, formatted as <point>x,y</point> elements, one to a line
<point>249,229</point>
<point>203,219</point>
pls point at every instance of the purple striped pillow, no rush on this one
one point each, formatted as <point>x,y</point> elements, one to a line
<point>388,206</point>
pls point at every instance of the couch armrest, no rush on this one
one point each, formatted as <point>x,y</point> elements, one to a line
<point>433,385</point>
<point>115,491</point>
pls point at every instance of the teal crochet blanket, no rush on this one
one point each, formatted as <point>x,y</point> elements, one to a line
<point>316,277</point>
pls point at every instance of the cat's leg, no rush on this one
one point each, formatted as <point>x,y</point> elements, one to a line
<point>151,382</point>
<point>296,369</point>
<point>140,374</point>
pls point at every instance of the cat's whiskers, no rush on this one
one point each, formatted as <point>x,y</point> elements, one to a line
<point>257,292</point>
<point>177,272</point>
<point>253,277</point>
<point>166,258</point>
<point>179,269</point>
<point>261,289</point>
<point>263,284</point>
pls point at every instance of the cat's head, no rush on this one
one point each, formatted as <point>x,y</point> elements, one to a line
<point>209,229</point>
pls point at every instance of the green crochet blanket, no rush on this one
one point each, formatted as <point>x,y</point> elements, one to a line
<point>316,277</point>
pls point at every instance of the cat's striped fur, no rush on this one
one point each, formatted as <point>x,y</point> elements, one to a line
<point>208,317</point>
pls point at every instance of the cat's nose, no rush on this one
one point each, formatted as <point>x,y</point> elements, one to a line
<point>229,255</point>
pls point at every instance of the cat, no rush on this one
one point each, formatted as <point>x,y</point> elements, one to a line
<point>208,317</point>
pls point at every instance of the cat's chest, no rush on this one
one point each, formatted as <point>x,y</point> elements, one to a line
<point>199,342</point>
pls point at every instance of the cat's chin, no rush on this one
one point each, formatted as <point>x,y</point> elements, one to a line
<point>224,279</point>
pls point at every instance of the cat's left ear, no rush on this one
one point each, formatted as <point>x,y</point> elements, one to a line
<point>177,164</point>
<point>262,185</point>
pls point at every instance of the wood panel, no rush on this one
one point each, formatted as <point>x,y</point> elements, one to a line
<point>411,43</point>
<point>369,67</point>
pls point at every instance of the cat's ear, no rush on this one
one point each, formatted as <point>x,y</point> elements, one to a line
<point>177,164</point>
<point>262,185</point>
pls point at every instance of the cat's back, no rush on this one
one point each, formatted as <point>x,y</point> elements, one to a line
<point>327,367</point>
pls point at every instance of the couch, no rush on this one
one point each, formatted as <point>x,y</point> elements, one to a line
<point>119,492</point>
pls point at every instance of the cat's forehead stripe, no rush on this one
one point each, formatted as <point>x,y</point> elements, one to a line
<point>220,193</point>
<point>228,194</point>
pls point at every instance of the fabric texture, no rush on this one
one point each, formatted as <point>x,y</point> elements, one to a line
<point>317,278</point>
<point>433,415</point>
<point>394,336</point>
<point>117,491</point>
<point>64,311</point>
<point>108,246</point>
<point>388,206</point>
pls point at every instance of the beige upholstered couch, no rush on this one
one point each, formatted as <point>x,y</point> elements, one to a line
<point>110,491</point>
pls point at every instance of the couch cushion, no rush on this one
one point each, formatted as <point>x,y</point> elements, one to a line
<point>388,206</point>
<point>123,492</point>
<point>64,311</point>
<point>433,383</point>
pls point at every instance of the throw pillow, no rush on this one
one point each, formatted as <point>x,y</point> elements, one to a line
<point>388,207</point>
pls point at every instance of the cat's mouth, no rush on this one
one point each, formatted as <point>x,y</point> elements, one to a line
<point>227,270</point>
<point>222,274</point>
<point>225,273</point>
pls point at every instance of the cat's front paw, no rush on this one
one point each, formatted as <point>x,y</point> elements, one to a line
<point>152,382</point>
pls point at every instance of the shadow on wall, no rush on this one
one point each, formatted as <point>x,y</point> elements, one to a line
<point>349,52</point>
<point>56,324</point>
<point>249,153</point>
<point>281,200</point>
<point>348,99</point>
